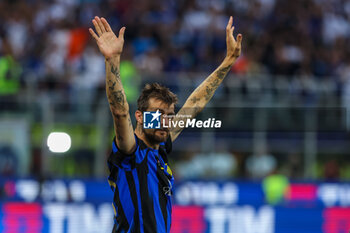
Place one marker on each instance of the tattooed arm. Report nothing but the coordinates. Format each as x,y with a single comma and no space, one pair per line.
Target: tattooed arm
119,107
205,91
111,47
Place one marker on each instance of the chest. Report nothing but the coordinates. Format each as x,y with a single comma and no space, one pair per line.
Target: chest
159,173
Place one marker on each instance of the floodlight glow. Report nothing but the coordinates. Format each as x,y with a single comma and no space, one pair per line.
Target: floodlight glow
59,142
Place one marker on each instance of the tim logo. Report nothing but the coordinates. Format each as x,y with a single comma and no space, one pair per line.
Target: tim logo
151,120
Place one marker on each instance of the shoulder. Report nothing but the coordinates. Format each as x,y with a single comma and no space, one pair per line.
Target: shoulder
168,145
120,159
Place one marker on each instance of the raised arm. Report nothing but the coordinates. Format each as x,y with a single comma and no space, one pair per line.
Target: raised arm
111,47
205,91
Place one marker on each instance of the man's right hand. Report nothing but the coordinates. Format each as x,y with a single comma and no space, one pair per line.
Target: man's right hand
109,44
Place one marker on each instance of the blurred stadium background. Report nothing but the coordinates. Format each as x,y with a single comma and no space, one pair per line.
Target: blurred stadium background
280,163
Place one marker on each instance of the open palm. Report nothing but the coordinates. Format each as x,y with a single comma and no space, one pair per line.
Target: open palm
109,44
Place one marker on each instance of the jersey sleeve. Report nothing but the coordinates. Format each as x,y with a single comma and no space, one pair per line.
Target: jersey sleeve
120,159
127,161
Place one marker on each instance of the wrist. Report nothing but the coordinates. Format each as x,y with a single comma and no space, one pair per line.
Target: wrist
229,60
112,57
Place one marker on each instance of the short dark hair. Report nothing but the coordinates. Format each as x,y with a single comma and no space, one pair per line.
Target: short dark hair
158,91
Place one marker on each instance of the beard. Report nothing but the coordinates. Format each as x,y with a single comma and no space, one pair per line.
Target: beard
156,136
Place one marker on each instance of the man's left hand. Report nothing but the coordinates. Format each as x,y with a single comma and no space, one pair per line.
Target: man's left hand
233,45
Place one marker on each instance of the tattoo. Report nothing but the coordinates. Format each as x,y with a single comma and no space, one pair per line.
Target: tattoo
118,97
195,99
111,85
215,83
117,102
209,92
197,110
115,71
120,138
221,73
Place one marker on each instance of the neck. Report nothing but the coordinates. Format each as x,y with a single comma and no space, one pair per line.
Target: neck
141,135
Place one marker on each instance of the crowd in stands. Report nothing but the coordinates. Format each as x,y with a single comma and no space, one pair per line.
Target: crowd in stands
49,39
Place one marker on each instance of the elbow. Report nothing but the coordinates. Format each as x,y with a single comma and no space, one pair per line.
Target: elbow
120,112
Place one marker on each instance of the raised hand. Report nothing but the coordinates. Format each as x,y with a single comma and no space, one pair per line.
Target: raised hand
233,46
109,44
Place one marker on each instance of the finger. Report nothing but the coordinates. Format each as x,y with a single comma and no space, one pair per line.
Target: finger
231,33
106,24
239,40
121,33
232,29
101,25
93,34
229,24
97,27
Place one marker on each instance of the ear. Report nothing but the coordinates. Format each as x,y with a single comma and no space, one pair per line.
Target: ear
139,117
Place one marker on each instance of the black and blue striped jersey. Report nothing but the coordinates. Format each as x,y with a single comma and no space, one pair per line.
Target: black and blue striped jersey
142,184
